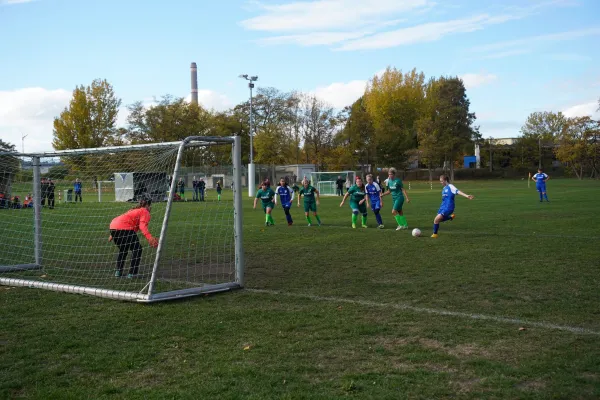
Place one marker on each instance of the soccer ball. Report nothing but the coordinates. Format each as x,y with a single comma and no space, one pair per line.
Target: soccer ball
416,232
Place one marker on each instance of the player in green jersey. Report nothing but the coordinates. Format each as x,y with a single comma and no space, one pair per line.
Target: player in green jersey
396,189
311,201
358,201
266,195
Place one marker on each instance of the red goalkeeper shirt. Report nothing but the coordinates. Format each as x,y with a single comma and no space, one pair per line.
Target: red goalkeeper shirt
135,220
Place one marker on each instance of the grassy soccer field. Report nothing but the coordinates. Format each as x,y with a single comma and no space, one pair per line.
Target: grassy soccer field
504,304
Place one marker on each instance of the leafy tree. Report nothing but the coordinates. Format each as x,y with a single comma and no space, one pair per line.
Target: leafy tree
393,102
453,121
541,128
578,146
354,143
170,120
445,127
318,126
90,118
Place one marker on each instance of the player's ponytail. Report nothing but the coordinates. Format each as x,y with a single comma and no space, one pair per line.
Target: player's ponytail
144,201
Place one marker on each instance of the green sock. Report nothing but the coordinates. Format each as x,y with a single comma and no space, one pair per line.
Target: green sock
271,219
402,220
219,197
318,219
308,219
354,218
364,220
267,218
398,219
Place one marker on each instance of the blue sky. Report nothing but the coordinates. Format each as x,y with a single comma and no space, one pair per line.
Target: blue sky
515,57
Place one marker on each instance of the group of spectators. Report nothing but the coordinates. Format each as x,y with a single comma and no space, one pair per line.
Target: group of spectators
47,187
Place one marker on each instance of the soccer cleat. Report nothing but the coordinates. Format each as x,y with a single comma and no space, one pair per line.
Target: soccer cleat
118,274
435,235
364,226
131,276
452,216
380,226
399,228
309,224
266,224
290,223
353,226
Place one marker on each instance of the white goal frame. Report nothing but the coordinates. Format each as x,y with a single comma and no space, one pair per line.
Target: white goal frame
318,183
148,294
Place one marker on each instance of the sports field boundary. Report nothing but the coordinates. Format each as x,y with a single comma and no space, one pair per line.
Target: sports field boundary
423,310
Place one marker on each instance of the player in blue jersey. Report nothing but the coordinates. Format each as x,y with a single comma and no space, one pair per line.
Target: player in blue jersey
286,195
446,211
540,184
374,198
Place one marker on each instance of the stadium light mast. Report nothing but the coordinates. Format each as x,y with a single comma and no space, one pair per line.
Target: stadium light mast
251,185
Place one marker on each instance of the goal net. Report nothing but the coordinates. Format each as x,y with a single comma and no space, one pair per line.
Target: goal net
325,182
57,209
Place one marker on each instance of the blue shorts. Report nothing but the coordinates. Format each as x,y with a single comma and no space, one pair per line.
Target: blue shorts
444,212
541,188
375,205
286,205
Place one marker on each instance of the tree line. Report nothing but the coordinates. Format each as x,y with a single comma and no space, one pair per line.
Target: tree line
401,117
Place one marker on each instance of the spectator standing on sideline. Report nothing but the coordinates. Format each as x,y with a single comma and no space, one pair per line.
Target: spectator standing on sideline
50,192
77,187
202,187
44,191
181,187
339,186
195,185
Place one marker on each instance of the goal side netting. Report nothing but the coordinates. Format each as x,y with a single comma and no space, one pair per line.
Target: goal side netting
326,182
57,209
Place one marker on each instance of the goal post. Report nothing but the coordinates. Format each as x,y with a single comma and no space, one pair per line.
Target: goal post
325,182
65,247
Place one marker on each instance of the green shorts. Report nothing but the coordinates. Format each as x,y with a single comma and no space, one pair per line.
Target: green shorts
398,203
312,206
362,208
270,205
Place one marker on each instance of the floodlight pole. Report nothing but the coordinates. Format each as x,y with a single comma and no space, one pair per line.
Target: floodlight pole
251,167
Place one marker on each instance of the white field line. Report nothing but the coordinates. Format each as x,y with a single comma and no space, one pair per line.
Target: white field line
392,228
423,310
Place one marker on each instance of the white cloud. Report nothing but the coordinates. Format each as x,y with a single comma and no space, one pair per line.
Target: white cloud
474,80
583,110
340,94
313,39
358,24
212,100
31,112
524,45
9,2
569,57
327,14
425,32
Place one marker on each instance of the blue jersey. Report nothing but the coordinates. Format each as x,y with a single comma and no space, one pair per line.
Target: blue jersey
540,178
77,186
448,194
286,195
373,190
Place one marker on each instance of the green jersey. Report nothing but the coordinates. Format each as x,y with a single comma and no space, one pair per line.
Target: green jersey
395,186
356,194
309,194
266,196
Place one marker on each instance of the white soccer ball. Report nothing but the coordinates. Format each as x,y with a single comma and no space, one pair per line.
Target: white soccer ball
416,232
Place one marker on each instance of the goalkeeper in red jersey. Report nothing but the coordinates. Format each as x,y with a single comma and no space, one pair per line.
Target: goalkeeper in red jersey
123,231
